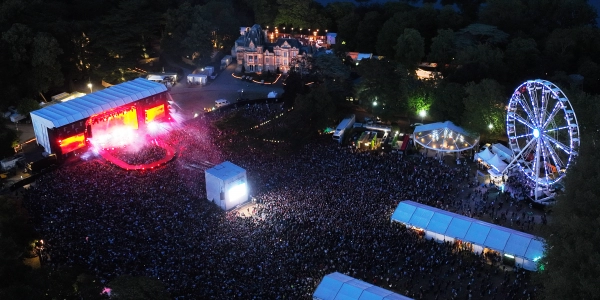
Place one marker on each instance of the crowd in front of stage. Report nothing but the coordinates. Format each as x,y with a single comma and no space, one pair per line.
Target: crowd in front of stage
319,210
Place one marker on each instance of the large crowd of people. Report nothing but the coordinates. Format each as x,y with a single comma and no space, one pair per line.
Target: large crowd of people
318,210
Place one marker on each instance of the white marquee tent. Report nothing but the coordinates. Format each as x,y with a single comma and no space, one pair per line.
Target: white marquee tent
443,226
484,155
444,137
497,164
337,286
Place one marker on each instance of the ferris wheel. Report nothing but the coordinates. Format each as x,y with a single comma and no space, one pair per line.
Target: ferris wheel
542,131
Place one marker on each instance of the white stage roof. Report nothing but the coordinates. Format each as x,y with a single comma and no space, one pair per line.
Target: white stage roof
83,107
337,286
444,136
225,170
460,227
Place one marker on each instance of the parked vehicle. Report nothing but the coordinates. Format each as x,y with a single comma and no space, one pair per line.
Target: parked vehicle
221,103
344,126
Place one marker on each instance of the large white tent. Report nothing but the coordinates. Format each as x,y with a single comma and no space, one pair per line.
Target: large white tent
444,137
444,226
81,108
337,286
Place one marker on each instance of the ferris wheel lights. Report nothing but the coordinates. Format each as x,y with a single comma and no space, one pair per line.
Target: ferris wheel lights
536,133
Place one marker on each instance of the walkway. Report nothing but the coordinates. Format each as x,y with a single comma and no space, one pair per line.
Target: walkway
169,156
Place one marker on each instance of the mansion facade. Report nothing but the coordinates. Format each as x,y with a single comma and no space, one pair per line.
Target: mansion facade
256,53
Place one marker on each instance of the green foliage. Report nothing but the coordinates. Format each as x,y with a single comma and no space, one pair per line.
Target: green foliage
33,57
264,11
449,18
330,70
480,61
7,138
522,58
481,34
384,82
448,102
507,15
484,105
293,13
442,47
410,48
138,287
389,33
572,258
420,96
312,112
365,37
586,106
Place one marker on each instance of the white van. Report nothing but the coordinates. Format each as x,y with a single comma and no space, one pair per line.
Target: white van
221,102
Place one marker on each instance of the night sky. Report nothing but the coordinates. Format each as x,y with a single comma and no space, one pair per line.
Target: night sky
594,3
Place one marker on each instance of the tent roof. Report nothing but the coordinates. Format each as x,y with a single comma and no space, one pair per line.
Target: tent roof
497,163
225,170
83,107
444,136
485,154
499,147
485,234
337,286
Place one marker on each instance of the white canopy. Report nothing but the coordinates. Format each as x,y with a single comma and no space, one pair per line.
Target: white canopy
443,225
497,163
445,137
484,155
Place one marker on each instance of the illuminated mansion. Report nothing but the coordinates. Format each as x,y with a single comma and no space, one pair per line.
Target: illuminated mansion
258,51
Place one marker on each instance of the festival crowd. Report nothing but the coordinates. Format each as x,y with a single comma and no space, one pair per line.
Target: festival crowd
319,210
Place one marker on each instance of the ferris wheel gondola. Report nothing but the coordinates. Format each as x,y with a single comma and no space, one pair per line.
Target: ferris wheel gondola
543,133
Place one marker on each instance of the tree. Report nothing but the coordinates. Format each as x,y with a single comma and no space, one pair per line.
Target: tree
264,11
410,49
198,42
420,95
468,8
549,15
293,13
484,106
137,287
561,47
384,82
586,106
522,58
479,62
449,18
329,69
442,47
366,33
448,102
33,57
570,267
316,108
125,32
507,15
8,138
391,30
347,27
